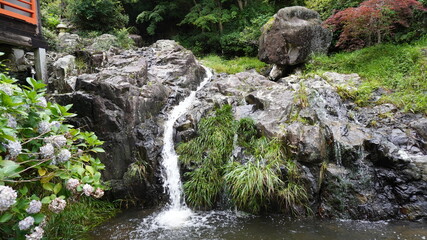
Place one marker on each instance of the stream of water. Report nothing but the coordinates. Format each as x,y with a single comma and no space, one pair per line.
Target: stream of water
176,221
176,213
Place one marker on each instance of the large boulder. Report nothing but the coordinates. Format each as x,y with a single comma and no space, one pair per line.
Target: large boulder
291,36
125,104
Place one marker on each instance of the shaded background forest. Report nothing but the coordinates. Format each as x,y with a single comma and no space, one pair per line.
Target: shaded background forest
226,27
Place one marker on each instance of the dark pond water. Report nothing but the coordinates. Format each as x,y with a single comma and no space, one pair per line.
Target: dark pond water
138,224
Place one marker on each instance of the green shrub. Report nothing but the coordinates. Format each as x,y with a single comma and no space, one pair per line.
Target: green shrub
123,40
44,162
97,15
51,38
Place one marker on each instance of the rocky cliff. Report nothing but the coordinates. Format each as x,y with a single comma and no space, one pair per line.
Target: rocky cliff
356,162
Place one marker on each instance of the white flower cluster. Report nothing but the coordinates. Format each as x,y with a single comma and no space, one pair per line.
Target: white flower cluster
42,102
44,127
47,151
34,207
7,197
98,193
63,156
55,124
37,234
14,148
11,121
57,205
87,189
57,140
72,184
6,88
26,223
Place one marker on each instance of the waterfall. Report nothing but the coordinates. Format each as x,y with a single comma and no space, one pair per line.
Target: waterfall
176,213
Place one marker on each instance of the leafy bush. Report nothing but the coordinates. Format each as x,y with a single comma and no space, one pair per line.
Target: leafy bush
97,15
371,22
252,183
43,161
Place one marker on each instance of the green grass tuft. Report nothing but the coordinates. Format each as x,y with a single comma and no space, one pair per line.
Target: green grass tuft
232,66
251,185
401,70
78,218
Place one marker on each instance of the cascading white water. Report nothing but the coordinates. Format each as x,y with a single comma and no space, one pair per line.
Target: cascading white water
176,213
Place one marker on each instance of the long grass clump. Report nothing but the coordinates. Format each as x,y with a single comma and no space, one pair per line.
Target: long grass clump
265,178
79,218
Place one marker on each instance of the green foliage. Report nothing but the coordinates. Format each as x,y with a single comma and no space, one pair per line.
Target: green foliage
123,40
326,8
155,16
40,155
84,216
97,15
236,65
227,28
252,185
51,38
206,156
399,69
51,12
3,67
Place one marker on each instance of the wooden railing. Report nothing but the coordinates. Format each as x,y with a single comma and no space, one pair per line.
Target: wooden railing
22,9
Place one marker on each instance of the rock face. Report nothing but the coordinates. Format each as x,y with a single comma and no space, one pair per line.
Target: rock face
291,36
359,163
356,162
125,105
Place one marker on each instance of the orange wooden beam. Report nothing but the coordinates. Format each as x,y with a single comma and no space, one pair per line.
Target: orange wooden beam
33,11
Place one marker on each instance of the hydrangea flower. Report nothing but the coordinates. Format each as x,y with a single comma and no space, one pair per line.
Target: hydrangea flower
57,205
98,193
44,127
34,207
37,234
72,184
42,102
11,121
6,88
55,124
14,148
26,223
47,151
7,197
87,189
57,141
63,156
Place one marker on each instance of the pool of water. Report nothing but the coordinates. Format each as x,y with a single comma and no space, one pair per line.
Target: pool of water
224,225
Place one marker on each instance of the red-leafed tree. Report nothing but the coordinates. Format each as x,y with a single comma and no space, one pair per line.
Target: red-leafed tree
371,22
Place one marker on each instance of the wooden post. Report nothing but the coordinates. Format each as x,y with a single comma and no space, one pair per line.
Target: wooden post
40,63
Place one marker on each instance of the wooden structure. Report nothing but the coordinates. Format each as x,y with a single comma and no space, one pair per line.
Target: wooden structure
20,26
